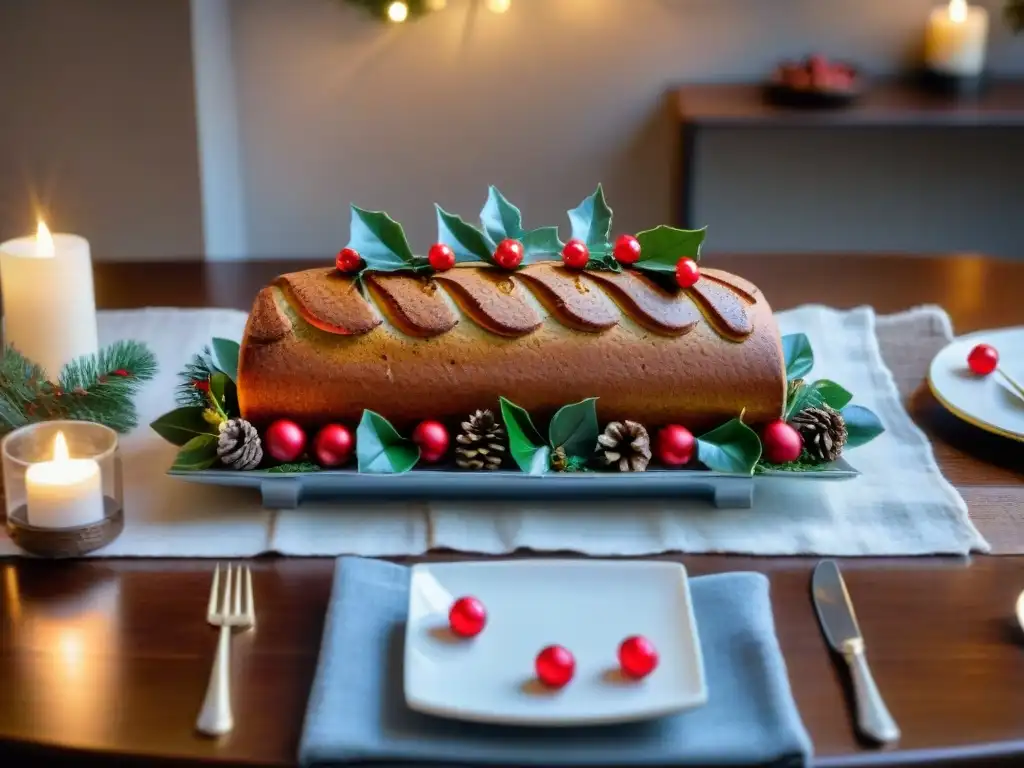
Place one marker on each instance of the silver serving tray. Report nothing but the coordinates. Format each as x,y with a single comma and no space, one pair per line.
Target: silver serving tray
288,490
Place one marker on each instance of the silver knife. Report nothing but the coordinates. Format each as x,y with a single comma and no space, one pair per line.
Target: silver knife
839,623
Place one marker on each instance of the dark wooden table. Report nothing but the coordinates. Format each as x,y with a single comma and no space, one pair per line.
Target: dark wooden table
887,104
106,660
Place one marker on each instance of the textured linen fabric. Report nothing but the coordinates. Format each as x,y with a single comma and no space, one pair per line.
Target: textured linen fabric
900,506
357,712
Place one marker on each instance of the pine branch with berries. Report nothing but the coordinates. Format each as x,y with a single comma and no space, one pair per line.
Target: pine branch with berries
98,388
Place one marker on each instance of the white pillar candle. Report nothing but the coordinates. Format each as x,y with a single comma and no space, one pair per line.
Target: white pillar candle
956,38
49,305
64,492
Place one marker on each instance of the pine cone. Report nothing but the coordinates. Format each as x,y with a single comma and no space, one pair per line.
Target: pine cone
239,445
481,442
625,445
823,431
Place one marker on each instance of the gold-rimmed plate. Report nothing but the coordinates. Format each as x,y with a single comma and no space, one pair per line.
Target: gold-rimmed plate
987,402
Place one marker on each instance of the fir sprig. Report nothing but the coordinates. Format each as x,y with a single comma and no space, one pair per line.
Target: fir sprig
96,387
194,378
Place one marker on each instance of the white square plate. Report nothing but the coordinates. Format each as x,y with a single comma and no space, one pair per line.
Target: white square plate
585,605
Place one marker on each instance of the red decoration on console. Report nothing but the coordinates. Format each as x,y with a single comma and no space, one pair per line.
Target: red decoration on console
334,445
441,257
983,359
782,443
687,272
467,617
555,666
637,656
509,254
348,260
676,446
284,440
575,254
627,250
432,438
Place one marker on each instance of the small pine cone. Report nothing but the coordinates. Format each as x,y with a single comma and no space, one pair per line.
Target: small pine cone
823,431
239,445
481,443
625,445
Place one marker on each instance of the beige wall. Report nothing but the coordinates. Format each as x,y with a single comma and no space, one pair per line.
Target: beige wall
98,124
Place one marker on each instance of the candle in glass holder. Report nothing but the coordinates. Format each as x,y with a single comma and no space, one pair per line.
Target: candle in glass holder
49,306
63,492
955,39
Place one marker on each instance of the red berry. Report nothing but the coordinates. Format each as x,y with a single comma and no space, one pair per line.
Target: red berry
983,359
333,445
687,272
284,440
575,254
555,666
348,260
441,257
432,438
637,656
782,443
202,385
509,254
675,446
627,250
467,617
122,372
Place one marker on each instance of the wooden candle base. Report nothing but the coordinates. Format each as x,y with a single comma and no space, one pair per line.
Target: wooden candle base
66,542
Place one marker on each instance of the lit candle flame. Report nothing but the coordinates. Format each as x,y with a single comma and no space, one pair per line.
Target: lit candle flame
44,241
398,11
60,448
958,11
498,6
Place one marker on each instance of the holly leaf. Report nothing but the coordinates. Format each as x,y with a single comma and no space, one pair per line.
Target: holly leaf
591,222
662,247
380,449
796,350
500,218
604,261
468,242
524,441
182,424
379,239
821,392
298,466
539,242
862,425
733,448
225,356
198,453
574,428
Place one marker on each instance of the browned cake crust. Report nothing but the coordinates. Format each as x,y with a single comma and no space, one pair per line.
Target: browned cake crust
317,349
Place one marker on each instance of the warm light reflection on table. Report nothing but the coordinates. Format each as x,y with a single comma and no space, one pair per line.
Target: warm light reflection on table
67,645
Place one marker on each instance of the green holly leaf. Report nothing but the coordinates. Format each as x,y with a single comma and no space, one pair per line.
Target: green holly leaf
500,218
604,261
574,428
539,243
380,449
298,466
733,447
662,247
524,441
468,242
379,239
198,453
862,425
796,350
182,424
225,356
591,222
821,392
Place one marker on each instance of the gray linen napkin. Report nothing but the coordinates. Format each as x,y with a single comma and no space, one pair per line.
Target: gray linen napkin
357,712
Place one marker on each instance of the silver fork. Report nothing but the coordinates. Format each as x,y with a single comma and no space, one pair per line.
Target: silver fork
227,609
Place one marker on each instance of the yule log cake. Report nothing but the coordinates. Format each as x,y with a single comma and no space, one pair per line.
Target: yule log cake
496,311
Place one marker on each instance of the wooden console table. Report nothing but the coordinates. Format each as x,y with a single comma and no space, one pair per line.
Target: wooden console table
885,105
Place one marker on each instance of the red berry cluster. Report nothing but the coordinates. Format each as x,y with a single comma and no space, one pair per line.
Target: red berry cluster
676,446
555,665
627,250
334,444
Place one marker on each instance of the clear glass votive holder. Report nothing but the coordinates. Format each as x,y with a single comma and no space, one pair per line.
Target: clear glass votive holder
62,484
